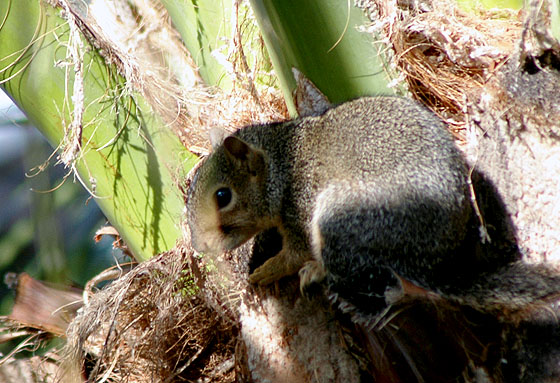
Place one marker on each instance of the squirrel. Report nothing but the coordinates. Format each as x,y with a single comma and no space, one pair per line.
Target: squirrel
367,193
371,198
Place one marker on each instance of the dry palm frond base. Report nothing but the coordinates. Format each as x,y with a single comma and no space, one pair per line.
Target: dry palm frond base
445,53
152,324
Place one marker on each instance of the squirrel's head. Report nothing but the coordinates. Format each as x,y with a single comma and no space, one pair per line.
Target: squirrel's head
226,200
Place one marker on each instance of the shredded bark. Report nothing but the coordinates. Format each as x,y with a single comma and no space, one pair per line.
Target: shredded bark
445,53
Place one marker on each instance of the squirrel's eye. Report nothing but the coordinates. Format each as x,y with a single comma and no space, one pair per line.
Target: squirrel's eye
223,197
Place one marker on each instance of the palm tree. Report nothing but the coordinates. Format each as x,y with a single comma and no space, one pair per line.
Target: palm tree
125,91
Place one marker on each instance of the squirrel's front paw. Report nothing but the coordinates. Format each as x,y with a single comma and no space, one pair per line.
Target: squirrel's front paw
270,271
310,277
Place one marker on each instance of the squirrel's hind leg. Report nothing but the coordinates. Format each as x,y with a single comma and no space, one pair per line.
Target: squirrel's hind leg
344,257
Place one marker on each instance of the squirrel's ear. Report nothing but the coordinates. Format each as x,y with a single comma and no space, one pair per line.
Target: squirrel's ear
217,136
242,151
237,148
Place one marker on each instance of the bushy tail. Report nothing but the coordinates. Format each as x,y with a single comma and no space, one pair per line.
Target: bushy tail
502,328
515,292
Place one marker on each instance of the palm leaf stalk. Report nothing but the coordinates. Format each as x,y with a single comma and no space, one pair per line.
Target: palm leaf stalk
118,146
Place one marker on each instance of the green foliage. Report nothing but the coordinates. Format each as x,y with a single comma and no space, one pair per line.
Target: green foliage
323,41
128,160
186,285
